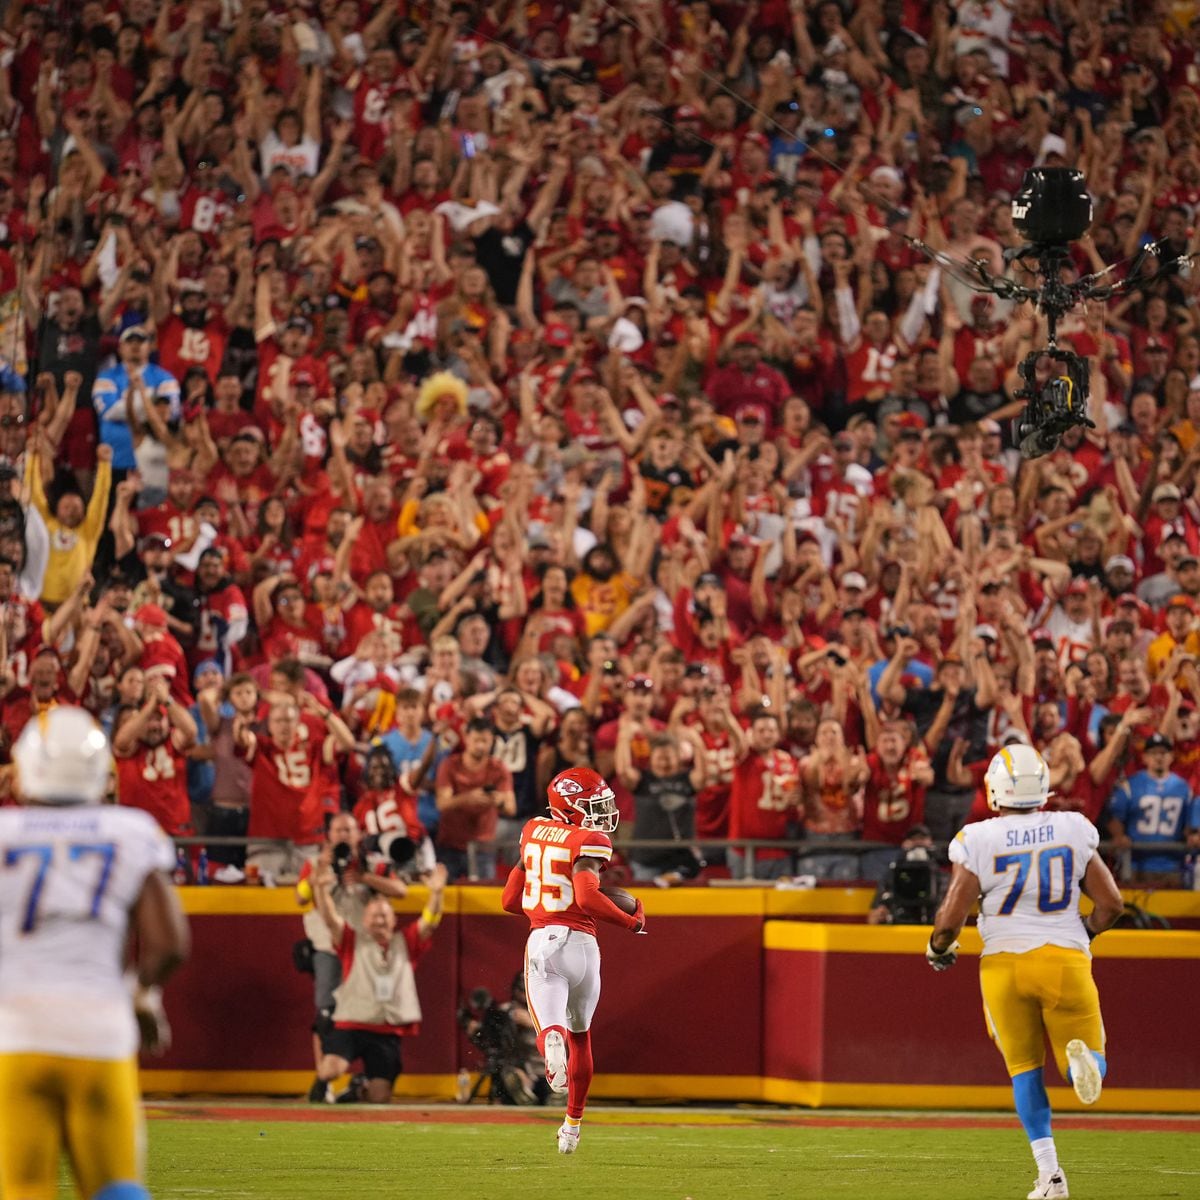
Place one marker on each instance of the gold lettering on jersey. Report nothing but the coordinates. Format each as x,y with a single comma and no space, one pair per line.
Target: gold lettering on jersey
552,833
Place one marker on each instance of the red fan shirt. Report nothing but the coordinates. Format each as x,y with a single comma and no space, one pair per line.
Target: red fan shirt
154,779
285,801
762,798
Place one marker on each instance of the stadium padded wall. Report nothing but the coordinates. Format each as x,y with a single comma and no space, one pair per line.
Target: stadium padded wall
740,994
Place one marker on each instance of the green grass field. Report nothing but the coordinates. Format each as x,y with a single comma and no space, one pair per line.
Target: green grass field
630,1155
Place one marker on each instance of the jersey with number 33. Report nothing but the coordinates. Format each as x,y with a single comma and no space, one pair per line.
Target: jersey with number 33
549,852
1029,866
68,879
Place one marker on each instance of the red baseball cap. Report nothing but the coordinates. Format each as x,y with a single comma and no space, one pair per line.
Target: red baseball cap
751,412
153,615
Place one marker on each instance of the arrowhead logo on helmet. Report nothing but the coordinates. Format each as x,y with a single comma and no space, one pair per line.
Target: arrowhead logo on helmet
1017,777
580,796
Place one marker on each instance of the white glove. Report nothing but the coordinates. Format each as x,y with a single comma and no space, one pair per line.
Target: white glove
943,961
151,1017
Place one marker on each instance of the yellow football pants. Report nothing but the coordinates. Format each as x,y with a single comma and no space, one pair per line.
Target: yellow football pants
1047,991
89,1107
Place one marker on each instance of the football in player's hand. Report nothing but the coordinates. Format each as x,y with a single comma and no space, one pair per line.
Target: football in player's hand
621,898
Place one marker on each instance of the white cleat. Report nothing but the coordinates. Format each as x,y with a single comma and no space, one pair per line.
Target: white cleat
1085,1074
568,1140
556,1062
1054,1188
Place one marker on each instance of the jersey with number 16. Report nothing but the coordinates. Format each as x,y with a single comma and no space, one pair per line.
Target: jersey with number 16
1029,867
549,852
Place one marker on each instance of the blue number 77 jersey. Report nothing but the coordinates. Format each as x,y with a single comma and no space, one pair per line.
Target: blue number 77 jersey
69,877
1029,867
1155,810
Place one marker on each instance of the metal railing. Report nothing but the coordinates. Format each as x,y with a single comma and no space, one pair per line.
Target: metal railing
797,848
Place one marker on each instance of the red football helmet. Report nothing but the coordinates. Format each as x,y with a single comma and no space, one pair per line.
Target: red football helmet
581,796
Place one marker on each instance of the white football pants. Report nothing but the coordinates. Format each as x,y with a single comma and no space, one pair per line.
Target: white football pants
562,977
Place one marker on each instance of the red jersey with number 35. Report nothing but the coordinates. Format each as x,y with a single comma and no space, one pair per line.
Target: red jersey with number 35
549,852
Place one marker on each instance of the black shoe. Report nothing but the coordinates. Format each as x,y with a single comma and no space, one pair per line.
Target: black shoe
355,1092
319,1091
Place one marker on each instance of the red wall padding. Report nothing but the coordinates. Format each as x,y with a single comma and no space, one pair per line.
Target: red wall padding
883,1018
698,996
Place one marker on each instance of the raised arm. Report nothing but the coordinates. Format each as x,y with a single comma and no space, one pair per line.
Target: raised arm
323,882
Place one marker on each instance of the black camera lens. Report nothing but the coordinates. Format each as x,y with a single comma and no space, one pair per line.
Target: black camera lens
1052,206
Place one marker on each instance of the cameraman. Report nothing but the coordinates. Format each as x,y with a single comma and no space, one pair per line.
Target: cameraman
505,1035
376,1003
355,880
912,886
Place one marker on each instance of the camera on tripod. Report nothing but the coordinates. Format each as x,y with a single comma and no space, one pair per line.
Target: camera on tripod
494,1032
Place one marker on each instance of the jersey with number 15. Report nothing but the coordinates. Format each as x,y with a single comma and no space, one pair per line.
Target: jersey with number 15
1029,866
549,851
69,877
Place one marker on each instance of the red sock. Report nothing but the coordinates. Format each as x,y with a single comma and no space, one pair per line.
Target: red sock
541,1037
579,1073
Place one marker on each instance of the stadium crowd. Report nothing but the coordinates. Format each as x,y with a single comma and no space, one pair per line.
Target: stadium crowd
404,402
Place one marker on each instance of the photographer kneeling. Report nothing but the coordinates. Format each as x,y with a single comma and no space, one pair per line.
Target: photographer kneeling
376,1003
356,878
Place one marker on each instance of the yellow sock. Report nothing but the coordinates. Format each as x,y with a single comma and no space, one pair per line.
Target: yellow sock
572,1122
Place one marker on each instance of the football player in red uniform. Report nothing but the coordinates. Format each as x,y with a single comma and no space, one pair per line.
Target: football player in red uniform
557,886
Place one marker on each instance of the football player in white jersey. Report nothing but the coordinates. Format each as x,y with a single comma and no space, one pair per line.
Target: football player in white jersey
1027,868
75,878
